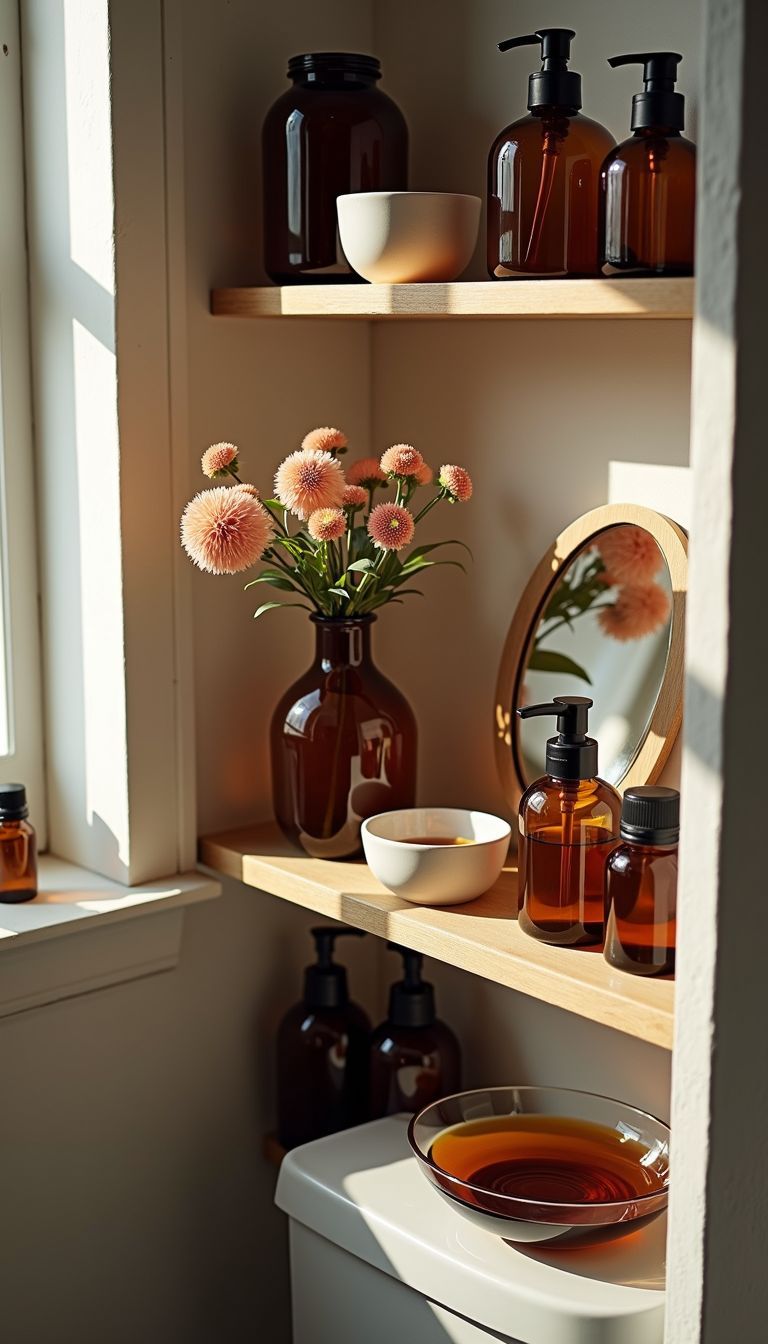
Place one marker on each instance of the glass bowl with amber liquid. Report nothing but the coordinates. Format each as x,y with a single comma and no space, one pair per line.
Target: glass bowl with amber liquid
545,1164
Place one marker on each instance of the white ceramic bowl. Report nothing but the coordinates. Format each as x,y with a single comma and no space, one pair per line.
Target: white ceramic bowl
439,874
401,237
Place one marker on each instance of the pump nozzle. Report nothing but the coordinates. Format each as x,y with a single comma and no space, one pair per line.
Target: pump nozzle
411,1000
325,983
554,85
659,105
570,755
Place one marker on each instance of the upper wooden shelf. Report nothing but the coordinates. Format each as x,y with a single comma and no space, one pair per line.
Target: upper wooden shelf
668,299
482,936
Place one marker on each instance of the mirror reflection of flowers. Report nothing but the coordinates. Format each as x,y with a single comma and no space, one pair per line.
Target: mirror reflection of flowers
617,580
342,553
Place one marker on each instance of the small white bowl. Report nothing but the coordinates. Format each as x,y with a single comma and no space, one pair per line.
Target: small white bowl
405,237
439,874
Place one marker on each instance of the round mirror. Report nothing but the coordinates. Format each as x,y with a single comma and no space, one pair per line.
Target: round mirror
601,617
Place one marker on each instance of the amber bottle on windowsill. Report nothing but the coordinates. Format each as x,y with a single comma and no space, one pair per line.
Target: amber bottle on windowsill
641,884
18,847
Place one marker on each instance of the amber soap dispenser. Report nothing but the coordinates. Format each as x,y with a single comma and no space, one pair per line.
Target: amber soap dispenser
544,174
415,1057
569,821
648,182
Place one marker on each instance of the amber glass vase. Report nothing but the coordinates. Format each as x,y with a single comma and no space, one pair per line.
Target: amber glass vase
343,744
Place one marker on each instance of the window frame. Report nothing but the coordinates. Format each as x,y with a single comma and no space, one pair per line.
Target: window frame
18,528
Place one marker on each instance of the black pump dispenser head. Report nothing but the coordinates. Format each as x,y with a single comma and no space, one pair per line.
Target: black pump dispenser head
325,983
570,755
659,105
554,85
411,1000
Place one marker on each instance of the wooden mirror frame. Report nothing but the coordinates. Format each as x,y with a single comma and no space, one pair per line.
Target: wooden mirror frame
664,726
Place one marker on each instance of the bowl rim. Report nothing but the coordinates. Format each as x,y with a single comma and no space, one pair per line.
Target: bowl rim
409,845
426,1160
386,195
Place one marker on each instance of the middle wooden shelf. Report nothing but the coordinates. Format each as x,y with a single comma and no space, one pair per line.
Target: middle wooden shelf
482,937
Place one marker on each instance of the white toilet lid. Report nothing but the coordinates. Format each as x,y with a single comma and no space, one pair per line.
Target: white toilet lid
363,1191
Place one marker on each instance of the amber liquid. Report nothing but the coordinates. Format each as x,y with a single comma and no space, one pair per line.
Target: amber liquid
640,909
436,840
564,886
554,1159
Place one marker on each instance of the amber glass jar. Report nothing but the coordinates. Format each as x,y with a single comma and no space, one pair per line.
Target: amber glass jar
18,847
641,884
567,830
343,744
543,195
332,132
648,206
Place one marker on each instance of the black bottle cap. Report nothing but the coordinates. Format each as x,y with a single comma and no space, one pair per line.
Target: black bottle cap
411,1000
650,815
13,802
570,755
334,65
659,105
325,983
554,85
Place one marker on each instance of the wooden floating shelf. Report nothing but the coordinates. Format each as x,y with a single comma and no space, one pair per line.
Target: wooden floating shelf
530,299
482,936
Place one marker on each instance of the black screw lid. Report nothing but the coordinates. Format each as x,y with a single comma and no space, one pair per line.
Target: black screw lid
334,66
650,815
411,1000
13,802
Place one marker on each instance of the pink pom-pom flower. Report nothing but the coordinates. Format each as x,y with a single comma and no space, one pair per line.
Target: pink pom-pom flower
309,480
326,524
638,610
354,497
225,530
401,460
365,472
249,489
325,440
457,481
630,555
217,459
390,526
425,475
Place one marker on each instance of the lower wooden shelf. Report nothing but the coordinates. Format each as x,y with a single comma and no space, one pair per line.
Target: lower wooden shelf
482,937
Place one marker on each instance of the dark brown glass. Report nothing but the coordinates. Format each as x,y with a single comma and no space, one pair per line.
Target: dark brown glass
567,830
647,208
412,1067
641,908
343,743
322,1072
331,133
18,862
543,193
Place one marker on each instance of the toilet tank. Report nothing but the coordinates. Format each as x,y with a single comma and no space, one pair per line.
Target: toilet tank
377,1256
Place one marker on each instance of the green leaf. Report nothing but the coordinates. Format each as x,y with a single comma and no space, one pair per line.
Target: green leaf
269,606
419,551
548,660
339,592
275,581
359,566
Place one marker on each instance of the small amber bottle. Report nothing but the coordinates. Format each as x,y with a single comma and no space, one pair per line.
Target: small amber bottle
415,1058
641,883
648,182
569,821
18,847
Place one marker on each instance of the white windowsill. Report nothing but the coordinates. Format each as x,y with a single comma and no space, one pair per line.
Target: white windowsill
113,933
